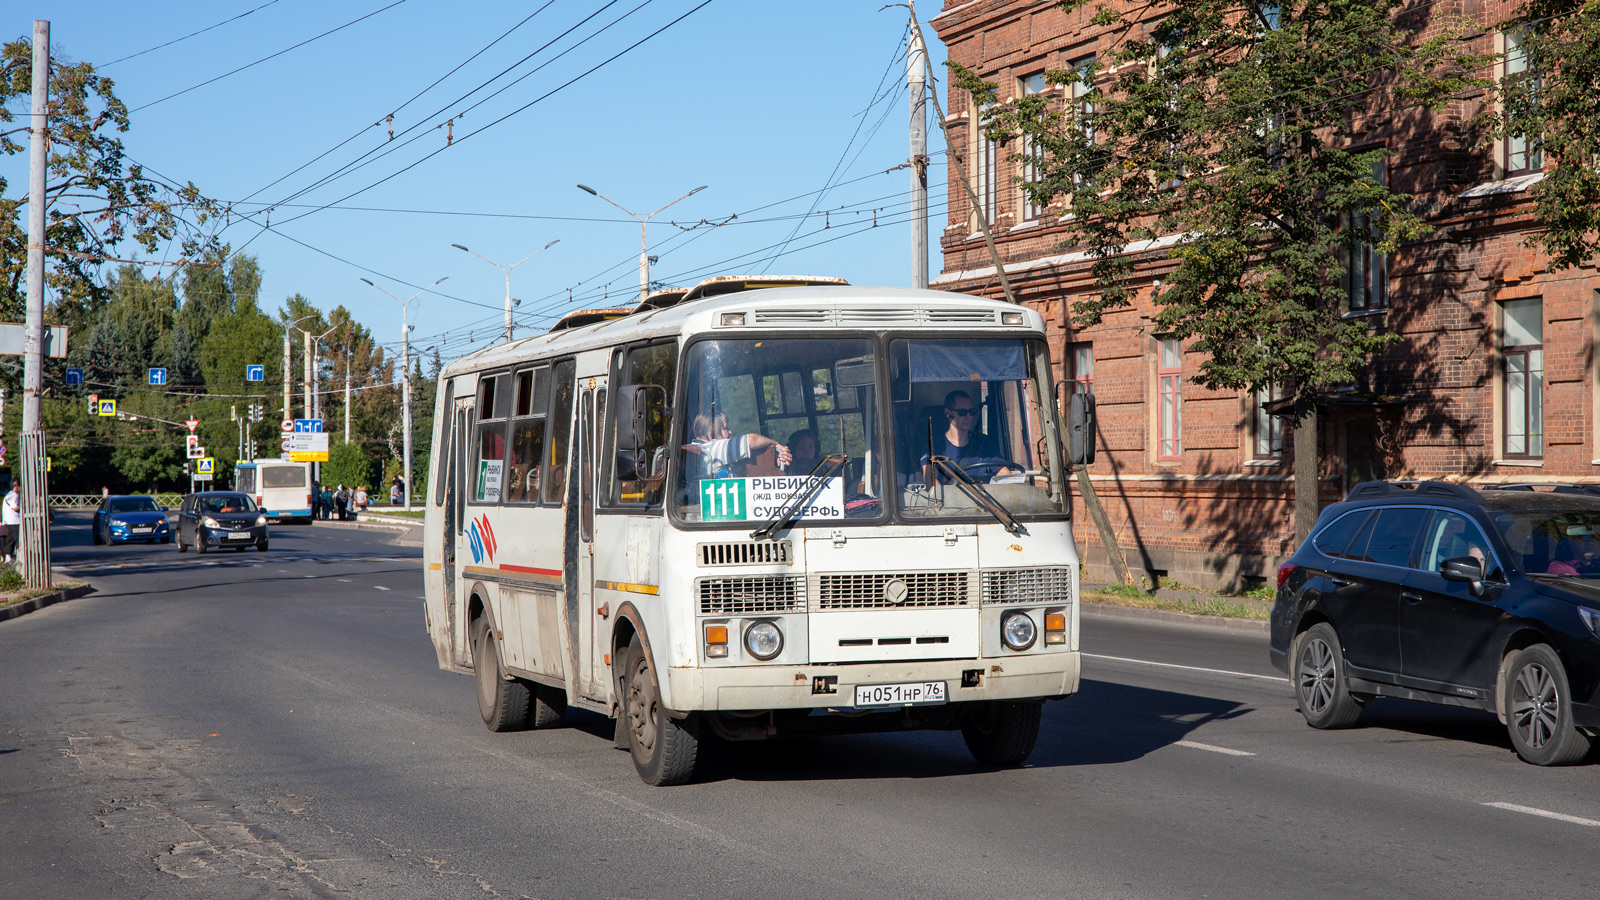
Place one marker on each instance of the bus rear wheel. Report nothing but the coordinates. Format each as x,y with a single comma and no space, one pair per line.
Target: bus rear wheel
1001,733
663,748
503,704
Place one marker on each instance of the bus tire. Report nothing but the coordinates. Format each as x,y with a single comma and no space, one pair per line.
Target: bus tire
503,704
663,748
549,706
1002,733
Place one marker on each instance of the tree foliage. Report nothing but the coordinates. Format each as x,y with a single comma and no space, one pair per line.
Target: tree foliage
1556,105
1227,137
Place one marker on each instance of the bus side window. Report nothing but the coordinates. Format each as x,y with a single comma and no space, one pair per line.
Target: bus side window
555,484
527,436
636,442
445,437
489,450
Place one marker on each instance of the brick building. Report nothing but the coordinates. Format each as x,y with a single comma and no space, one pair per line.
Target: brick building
1495,379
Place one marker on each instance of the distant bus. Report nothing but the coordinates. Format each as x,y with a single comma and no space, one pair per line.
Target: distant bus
281,488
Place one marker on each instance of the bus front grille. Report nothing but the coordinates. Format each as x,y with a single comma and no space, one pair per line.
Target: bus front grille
752,596
1012,586
744,553
893,590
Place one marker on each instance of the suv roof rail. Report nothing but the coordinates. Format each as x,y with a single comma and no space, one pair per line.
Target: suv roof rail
1425,488
1555,488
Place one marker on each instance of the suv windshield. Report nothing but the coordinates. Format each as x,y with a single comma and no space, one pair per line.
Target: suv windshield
1554,542
976,403
132,504
761,415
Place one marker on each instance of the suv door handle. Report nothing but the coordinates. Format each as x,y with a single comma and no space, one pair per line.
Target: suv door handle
1411,596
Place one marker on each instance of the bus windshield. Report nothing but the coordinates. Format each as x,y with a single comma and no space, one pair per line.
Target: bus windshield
761,416
972,407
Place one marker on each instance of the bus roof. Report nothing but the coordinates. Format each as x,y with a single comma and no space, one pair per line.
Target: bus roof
810,307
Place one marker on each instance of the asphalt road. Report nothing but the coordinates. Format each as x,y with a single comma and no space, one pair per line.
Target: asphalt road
275,725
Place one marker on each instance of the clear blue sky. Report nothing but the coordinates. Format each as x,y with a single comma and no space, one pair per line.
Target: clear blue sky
758,100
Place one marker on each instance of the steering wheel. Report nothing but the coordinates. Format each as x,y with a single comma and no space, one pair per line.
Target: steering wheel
985,468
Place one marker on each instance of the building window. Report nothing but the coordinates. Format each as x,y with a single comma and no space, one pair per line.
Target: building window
1522,349
1266,431
1031,168
985,170
1169,376
1523,155
1271,14
1082,106
1082,356
1368,278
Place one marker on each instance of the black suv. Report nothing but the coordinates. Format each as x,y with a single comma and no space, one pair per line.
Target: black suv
1434,591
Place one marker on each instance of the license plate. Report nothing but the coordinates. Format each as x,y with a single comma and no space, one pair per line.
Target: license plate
144,528
911,693
238,535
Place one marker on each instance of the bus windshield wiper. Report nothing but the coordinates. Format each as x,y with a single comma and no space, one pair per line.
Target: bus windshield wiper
976,491
803,494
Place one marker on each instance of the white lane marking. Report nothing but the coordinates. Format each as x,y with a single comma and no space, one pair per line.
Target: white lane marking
308,576
1535,811
380,587
1226,751
1146,662
344,581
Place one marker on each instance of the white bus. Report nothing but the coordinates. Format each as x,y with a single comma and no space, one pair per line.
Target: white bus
628,515
282,488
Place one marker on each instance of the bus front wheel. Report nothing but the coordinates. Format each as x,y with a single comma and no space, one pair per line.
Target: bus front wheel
663,748
503,704
1001,733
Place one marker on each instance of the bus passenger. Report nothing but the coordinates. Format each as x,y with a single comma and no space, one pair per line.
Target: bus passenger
803,446
718,450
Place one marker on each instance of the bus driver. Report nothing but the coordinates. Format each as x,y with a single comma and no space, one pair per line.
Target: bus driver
718,450
960,441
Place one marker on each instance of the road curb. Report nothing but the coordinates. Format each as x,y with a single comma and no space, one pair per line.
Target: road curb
33,604
1135,613
408,533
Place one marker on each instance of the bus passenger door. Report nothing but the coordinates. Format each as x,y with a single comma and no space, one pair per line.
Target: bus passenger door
452,534
593,632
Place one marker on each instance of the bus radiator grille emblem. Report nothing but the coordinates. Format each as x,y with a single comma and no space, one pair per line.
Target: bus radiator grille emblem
894,593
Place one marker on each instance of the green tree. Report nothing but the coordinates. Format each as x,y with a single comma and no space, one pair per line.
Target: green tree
1224,133
348,464
1554,104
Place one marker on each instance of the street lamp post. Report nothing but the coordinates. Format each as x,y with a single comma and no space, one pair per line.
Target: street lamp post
507,271
644,252
313,394
405,374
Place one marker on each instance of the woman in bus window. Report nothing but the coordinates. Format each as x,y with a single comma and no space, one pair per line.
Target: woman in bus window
718,451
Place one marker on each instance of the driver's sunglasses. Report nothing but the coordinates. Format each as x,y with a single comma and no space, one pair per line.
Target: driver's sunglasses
962,412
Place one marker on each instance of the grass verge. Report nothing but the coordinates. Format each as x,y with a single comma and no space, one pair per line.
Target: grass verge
9,597
1127,595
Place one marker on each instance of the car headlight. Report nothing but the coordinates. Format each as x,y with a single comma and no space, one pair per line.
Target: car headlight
763,640
210,522
1591,618
1017,630
116,524
261,520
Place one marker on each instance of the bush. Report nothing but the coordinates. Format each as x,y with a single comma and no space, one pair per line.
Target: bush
10,579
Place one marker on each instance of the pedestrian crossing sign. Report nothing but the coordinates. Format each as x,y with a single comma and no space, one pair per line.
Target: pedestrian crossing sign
108,407
206,465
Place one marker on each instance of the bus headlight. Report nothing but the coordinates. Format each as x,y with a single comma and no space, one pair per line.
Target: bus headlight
763,640
1017,630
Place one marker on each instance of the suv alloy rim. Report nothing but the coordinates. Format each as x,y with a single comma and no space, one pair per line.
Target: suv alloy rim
1316,675
1535,705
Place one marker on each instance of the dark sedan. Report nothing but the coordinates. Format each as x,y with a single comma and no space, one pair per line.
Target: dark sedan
132,517
215,519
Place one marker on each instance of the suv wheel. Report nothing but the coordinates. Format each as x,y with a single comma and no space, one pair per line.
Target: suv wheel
1319,680
1538,706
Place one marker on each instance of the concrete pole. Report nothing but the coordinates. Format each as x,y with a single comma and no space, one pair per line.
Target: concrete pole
508,305
405,389
310,412
35,543
288,373
916,82
347,399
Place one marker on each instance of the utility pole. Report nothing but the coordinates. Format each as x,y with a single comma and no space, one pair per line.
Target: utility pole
405,376
288,375
506,270
916,81
644,250
35,543
347,399
310,413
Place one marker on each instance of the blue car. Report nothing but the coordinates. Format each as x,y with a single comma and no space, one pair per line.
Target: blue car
134,517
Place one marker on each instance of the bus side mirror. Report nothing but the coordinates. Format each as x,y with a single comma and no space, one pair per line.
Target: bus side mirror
1080,429
638,406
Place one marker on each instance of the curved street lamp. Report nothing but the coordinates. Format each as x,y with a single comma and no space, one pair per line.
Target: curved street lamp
405,373
644,253
507,271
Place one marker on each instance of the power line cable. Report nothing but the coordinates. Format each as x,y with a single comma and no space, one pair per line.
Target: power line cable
187,36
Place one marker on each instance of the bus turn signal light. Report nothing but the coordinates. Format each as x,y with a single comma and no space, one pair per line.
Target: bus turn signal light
1055,628
716,641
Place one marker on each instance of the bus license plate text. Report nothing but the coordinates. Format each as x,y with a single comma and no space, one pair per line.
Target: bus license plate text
914,693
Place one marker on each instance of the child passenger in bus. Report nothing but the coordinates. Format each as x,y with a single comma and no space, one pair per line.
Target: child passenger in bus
718,451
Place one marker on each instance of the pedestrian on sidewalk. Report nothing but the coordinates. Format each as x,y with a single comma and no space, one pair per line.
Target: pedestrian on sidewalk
394,492
11,518
341,502
361,499
316,501
327,502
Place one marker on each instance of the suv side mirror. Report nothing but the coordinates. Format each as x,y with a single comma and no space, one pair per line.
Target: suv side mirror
1080,429
1464,569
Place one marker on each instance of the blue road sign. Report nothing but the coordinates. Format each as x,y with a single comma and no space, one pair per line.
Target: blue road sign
205,465
158,377
308,426
255,373
74,376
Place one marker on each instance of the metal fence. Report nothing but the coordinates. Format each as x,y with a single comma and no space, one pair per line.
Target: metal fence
90,501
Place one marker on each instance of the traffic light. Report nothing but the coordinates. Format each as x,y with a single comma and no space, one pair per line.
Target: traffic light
94,404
